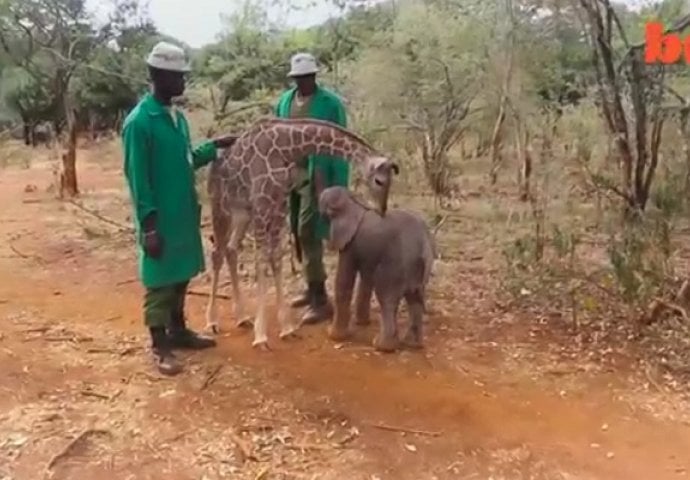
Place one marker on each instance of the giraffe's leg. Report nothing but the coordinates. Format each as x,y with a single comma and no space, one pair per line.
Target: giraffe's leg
221,227
287,328
260,327
241,220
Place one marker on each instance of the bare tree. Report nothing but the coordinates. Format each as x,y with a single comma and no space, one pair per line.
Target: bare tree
440,127
630,95
508,62
50,39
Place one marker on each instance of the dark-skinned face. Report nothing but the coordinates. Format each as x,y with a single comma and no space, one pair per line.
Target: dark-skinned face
167,84
306,84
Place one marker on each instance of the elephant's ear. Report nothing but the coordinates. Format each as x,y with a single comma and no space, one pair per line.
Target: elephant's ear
345,225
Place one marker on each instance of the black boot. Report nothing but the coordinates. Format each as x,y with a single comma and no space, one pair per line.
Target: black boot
165,360
320,309
303,299
183,338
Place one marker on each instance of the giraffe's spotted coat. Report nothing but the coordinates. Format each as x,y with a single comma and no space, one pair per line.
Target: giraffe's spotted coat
248,187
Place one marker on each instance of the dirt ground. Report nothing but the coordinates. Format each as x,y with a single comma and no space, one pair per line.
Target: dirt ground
490,397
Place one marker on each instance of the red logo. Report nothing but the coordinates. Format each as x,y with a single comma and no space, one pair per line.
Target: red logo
664,48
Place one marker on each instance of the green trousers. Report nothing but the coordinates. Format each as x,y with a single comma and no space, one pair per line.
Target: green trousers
312,246
162,304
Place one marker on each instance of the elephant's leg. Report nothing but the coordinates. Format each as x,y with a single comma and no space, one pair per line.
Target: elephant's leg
363,299
344,285
387,338
415,306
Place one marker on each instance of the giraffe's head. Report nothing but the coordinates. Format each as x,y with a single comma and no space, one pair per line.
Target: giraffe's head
379,176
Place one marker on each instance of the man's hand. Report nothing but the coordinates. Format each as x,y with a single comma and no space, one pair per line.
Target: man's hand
151,241
225,142
153,244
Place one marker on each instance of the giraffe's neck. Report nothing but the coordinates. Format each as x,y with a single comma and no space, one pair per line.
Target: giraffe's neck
314,138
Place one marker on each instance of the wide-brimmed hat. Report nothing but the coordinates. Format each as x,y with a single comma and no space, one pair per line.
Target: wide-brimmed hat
166,56
303,64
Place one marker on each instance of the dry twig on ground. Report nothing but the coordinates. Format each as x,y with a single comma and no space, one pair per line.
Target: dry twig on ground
204,294
95,214
65,452
211,377
658,306
24,255
242,447
391,428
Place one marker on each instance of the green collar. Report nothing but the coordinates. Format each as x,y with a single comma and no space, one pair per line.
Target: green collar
152,106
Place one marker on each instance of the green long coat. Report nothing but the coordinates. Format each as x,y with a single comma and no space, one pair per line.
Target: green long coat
159,165
325,105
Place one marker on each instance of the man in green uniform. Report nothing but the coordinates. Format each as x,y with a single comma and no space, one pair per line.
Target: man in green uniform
317,172
159,165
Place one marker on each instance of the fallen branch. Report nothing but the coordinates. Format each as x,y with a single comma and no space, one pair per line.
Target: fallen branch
657,307
95,214
211,377
36,330
304,447
204,294
438,226
244,450
391,428
683,294
652,380
114,351
64,338
89,393
24,255
70,446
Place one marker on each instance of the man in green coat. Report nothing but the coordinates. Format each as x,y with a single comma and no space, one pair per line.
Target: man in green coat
159,165
317,172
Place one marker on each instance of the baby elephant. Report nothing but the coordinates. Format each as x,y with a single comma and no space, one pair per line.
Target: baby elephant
393,255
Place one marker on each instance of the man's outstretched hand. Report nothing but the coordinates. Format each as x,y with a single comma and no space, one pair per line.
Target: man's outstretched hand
225,142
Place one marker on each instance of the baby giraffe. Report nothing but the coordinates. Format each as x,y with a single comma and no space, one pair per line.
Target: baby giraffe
249,189
392,253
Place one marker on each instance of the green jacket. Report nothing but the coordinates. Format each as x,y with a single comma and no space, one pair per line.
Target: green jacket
325,105
159,165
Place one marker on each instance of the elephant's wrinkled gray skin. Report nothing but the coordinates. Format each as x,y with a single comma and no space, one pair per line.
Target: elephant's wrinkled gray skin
393,254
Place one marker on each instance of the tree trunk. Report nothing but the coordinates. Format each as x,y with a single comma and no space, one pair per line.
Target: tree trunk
525,175
683,132
496,157
92,126
27,134
68,180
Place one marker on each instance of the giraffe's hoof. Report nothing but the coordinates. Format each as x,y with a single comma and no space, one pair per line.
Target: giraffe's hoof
244,323
289,333
212,328
261,345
